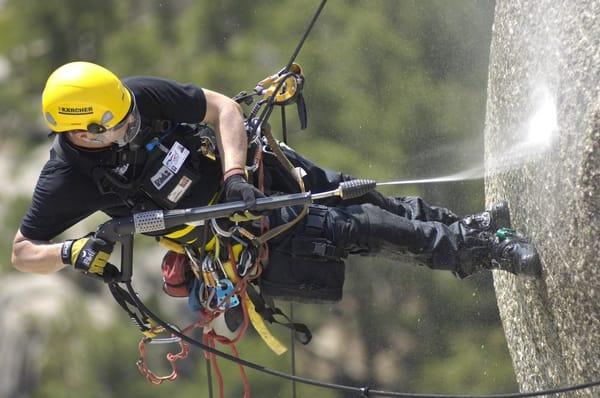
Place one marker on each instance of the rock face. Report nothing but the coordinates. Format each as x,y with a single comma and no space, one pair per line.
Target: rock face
543,155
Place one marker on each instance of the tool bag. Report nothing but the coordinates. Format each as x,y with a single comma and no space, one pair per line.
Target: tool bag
305,266
177,274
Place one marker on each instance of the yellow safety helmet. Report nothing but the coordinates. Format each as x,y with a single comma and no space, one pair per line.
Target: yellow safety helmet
84,96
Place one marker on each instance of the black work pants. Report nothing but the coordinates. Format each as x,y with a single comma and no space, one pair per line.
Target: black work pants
400,228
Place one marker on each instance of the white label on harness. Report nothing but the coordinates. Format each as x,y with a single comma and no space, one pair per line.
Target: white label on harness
179,189
161,177
121,170
175,158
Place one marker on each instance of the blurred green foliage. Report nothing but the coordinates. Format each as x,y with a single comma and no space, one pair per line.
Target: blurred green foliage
395,89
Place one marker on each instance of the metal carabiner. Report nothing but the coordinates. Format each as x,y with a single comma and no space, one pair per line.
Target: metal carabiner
245,262
164,340
237,238
209,274
225,295
218,230
211,295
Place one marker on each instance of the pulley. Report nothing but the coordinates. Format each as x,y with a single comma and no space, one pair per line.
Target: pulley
287,86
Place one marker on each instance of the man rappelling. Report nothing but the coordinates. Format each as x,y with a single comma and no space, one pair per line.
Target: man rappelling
125,146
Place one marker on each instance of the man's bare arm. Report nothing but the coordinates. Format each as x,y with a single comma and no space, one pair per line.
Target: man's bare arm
36,256
226,116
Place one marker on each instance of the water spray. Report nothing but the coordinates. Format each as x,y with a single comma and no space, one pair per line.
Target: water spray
356,188
474,173
539,134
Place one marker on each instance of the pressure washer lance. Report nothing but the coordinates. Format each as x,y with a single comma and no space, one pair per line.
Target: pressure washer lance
348,189
159,220
356,188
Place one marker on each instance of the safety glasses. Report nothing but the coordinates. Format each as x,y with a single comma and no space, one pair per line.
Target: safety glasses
132,120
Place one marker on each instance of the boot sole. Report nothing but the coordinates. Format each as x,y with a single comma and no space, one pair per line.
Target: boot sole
501,215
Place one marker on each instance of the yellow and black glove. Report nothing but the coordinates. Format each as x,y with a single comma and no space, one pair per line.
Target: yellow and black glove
88,254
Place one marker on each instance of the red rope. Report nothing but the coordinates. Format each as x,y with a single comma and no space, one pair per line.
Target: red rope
211,338
242,373
208,340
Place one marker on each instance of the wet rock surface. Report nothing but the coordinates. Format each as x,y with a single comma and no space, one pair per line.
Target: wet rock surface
543,155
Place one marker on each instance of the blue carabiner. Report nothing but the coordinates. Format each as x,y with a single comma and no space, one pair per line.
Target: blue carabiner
225,288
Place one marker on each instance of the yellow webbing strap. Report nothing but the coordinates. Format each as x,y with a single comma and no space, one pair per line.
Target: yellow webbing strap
180,232
247,216
154,330
168,242
257,322
171,245
261,328
175,240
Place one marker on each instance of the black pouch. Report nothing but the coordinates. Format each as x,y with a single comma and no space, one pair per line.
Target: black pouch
306,267
303,279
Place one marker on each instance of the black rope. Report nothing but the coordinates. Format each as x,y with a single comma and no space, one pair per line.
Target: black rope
361,391
209,377
558,390
229,357
305,35
285,72
283,124
293,350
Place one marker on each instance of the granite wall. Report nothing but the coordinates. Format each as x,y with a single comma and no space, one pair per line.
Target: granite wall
542,144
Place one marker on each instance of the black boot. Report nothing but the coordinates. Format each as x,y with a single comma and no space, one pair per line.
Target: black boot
490,220
506,250
513,252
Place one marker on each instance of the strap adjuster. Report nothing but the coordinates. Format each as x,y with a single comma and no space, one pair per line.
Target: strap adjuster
322,249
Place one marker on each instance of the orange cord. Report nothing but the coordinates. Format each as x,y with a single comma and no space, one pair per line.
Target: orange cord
172,358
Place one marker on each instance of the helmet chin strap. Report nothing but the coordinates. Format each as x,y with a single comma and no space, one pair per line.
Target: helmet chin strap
94,140
121,142
82,139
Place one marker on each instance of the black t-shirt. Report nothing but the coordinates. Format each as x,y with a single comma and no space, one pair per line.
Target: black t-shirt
64,195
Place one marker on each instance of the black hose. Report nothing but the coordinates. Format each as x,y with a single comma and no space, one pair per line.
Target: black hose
362,391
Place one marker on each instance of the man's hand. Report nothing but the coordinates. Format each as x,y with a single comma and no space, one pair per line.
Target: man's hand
237,188
87,254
